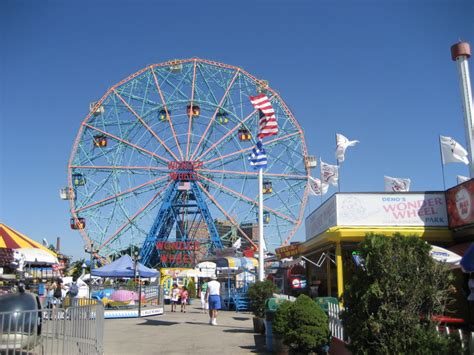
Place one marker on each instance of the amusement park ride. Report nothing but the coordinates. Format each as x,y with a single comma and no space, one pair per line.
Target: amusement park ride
160,163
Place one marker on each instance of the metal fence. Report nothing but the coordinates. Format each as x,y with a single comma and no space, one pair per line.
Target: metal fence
73,330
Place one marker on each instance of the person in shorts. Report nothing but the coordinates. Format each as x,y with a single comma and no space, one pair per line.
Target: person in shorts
213,295
174,297
184,298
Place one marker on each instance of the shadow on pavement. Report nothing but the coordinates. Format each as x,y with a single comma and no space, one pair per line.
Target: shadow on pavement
157,322
241,318
239,330
259,347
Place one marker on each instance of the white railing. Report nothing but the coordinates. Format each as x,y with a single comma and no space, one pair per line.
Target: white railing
335,323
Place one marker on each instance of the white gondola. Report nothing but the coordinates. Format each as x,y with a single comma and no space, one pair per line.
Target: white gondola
311,161
66,193
176,68
100,110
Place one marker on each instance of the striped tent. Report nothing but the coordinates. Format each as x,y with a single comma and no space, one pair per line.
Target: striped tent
236,262
12,239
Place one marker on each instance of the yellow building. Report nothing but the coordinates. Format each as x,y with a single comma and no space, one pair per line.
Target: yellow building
335,228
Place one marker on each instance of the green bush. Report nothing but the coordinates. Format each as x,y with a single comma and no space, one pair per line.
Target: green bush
303,325
281,316
258,293
191,289
390,301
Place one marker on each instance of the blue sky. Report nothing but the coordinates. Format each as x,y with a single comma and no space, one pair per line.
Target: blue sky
381,74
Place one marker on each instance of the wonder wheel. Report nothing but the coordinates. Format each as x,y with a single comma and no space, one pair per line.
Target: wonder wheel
163,157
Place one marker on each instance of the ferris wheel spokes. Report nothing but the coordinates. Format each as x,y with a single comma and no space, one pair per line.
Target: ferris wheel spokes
142,121
135,215
190,112
211,121
121,194
236,225
165,107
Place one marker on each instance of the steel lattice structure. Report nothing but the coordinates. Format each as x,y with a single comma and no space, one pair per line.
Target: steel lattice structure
184,128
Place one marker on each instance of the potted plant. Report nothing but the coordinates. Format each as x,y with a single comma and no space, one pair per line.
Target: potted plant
303,326
258,293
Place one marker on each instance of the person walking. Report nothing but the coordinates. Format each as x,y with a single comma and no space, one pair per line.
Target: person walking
184,299
174,297
213,295
204,304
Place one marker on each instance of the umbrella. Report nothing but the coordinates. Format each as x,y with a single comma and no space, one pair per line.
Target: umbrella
467,261
444,255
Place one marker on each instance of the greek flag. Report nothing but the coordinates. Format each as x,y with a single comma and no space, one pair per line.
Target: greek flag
258,158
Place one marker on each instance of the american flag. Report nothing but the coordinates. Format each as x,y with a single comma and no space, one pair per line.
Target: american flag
268,123
258,158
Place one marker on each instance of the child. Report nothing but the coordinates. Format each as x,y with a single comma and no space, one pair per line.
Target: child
184,299
174,297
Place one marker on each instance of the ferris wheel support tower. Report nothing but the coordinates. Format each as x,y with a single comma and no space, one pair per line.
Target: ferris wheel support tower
460,53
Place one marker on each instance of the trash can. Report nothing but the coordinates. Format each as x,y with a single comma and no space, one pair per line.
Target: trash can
271,306
20,319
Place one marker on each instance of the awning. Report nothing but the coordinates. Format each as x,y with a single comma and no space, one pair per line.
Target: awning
235,262
34,256
10,238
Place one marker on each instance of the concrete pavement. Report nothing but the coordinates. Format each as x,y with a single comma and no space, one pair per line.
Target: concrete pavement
183,333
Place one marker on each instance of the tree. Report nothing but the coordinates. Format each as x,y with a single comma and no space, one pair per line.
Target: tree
258,294
390,300
75,270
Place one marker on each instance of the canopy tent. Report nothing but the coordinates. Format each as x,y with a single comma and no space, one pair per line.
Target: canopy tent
124,267
10,238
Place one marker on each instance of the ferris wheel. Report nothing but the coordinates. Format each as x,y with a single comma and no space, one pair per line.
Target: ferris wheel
163,156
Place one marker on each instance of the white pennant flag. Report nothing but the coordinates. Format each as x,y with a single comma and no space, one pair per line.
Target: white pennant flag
396,184
329,174
341,145
452,151
462,179
316,187
237,244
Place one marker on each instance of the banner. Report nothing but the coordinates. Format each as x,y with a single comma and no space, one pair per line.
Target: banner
460,208
378,209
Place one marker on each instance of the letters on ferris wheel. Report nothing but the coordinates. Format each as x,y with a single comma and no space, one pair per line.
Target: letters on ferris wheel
268,123
258,158
452,151
342,143
396,184
329,174
316,187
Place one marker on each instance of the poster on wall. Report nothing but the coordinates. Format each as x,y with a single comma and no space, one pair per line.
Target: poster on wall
460,207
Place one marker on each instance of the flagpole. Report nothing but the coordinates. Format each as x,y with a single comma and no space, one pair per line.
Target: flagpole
321,177
338,170
442,164
261,271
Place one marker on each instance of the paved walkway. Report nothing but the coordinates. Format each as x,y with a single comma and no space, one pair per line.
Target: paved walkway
183,333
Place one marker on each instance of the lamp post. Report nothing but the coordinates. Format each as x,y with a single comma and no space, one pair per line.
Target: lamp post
91,251
135,260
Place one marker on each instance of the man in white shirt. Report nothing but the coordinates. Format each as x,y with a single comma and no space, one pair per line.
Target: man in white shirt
213,295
